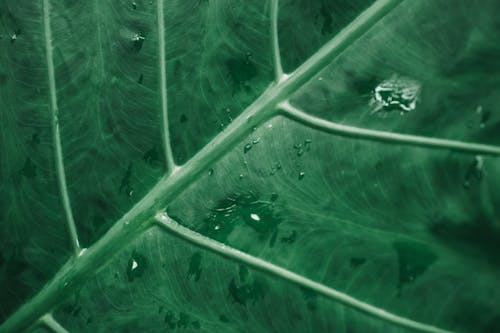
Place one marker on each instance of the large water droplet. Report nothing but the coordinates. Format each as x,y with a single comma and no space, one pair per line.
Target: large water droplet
397,93
236,209
301,175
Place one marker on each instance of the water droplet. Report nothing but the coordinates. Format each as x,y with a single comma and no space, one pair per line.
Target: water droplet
301,175
320,78
136,266
243,293
357,261
241,176
255,141
134,5
275,168
194,270
396,93
475,171
247,147
210,171
413,260
137,41
236,209
290,238
255,217
14,36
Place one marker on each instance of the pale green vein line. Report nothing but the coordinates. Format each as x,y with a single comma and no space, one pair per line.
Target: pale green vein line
272,269
76,272
278,69
52,324
169,157
374,135
61,176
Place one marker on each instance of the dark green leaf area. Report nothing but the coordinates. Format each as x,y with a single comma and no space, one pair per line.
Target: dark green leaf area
413,260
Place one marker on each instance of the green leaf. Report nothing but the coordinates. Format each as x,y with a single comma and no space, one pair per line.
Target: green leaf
175,166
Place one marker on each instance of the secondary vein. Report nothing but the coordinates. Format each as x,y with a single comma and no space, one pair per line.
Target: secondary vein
61,176
52,324
211,245
278,69
169,158
296,114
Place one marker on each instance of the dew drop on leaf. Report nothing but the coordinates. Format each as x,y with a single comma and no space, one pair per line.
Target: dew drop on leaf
301,175
474,171
290,238
247,147
413,260
255,217
357,261
194,270
396,94
136,266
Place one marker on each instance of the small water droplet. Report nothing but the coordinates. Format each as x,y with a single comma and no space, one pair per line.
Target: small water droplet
255,217
320,78
210,171
136,266
217,227
301,175
276,167
247,147
14,36
255,141
134,5
241,176
357,261
475,171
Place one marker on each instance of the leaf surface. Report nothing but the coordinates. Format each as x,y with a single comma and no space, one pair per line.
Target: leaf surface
120,84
